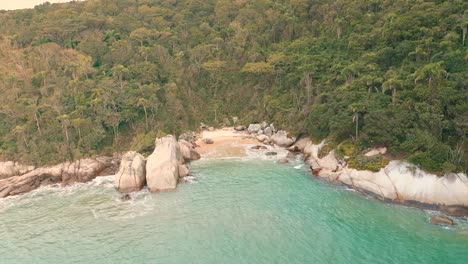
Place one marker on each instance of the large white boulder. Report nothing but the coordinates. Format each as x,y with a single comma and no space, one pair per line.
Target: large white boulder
131,174
281,139
162,167
254,128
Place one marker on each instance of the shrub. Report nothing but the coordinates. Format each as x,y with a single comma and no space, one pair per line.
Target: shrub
362,162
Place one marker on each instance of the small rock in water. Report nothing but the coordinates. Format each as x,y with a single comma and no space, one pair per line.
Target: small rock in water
125,197
283,160
258,147
271,153
442,220
291,154
208,141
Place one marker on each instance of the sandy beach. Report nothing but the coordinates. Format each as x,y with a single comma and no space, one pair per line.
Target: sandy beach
226,143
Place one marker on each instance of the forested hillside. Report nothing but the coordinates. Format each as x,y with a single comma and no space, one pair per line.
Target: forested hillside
98,76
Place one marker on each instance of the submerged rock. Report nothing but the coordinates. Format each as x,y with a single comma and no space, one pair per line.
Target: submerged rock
131,175
125,197
162,167
456,210
283,160
442,220
271,153
258,147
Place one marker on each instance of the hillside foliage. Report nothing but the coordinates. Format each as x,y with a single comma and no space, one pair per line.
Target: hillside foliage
83,78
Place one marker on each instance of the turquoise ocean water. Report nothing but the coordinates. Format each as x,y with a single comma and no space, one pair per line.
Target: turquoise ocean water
233,211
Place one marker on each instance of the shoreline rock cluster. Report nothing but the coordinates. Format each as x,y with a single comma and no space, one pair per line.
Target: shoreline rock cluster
161,171
65,174
398,182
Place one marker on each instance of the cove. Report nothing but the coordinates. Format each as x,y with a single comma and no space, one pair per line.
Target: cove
239,210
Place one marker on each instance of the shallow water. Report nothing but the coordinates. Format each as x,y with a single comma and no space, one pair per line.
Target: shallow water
234,211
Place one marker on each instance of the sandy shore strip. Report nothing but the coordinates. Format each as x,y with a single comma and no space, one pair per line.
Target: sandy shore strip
226,143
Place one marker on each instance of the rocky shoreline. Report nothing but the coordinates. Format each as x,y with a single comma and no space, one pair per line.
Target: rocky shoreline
398,182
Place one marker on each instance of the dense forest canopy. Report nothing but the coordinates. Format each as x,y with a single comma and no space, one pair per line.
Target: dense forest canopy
98,76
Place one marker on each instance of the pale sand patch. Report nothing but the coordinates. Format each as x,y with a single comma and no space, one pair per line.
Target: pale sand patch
227,143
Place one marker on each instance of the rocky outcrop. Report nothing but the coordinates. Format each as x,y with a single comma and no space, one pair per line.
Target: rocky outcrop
10,168
281,139
399,181
188,151
65,174
189,136
254,128
442,220
162,166
208,141
131,175
183,171
239,128
376,151
263,138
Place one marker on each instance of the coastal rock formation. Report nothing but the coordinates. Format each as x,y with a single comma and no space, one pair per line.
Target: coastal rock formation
66,173
258,147
254,128
188,136
183,171
239,128
281,139
188,151
208,141
399,181
263,138
268,131
10,168
376,151
162,166
131,175
442,220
